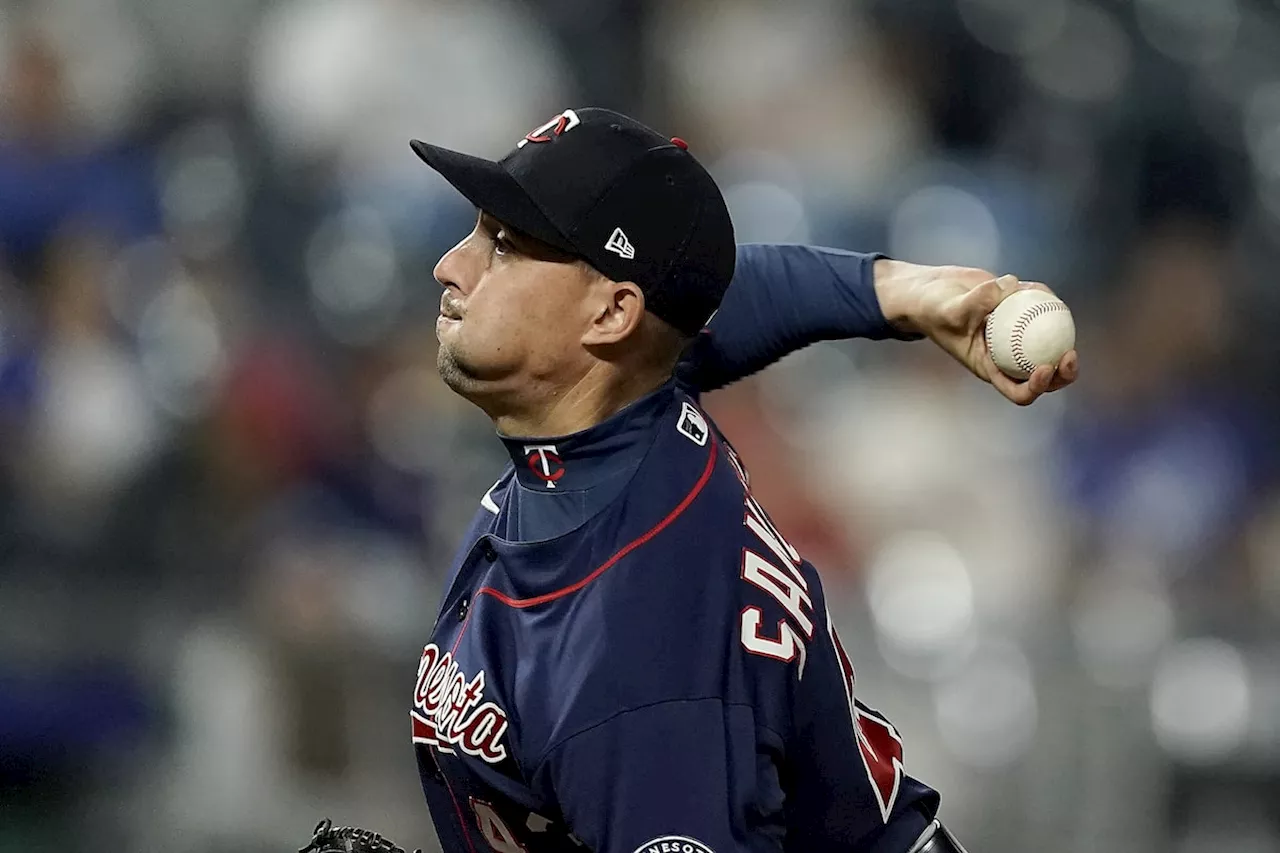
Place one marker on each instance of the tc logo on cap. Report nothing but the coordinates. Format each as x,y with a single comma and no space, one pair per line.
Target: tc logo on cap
562,123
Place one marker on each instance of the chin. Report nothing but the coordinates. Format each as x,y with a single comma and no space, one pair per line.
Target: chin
487,386
450,370
457,371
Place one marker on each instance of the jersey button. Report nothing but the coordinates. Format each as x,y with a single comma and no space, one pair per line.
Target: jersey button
486,550
463,607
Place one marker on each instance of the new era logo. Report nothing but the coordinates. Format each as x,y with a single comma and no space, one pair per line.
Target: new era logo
620,245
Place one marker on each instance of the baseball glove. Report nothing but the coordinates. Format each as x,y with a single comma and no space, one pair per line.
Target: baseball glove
348,839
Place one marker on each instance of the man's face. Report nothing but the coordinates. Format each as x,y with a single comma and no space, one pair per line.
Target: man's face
512,313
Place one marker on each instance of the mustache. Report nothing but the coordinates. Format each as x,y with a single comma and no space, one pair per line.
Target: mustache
449,306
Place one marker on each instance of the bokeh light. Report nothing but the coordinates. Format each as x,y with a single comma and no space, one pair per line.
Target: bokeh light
1120,625
1201,700
1014,27
945,222
354,276
921,598
987,711
1088,60
1192,31
183,355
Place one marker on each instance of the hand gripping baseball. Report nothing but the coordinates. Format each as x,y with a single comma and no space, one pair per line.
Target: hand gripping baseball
951,307
348,839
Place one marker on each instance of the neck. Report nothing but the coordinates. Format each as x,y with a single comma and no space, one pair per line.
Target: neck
572,407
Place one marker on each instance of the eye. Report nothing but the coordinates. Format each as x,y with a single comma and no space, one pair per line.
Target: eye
502,245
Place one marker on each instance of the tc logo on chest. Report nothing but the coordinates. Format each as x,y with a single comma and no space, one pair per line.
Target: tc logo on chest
544,463
449,711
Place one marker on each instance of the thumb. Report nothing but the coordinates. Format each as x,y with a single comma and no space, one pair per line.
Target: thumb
984,298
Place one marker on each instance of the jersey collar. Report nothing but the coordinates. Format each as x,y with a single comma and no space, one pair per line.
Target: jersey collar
581,460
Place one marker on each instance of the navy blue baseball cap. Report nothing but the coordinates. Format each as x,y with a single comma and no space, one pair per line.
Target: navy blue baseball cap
633,203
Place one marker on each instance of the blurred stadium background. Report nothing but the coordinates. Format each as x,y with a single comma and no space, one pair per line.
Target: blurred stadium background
230,479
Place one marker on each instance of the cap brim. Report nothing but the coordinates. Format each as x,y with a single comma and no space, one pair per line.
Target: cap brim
493,190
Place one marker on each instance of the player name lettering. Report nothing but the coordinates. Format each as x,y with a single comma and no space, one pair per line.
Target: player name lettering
449,711
776,570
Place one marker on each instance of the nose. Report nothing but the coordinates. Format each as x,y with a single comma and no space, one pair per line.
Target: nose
453,269
446,268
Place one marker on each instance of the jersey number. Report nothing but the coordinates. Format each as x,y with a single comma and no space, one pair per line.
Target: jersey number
878,740
495,832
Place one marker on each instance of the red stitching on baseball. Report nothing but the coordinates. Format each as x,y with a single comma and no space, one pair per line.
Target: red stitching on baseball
1020,328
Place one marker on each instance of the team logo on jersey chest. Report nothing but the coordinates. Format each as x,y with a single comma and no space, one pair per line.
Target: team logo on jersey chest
449,711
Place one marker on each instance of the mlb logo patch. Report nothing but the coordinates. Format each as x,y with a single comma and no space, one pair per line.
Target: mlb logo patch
692,425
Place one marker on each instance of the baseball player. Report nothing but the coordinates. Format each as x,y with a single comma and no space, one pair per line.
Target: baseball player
629,656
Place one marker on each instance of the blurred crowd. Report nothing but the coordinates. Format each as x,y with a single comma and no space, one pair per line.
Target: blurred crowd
230,480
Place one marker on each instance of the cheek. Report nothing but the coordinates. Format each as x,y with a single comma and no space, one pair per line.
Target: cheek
536,311
551,312
502,330
557,323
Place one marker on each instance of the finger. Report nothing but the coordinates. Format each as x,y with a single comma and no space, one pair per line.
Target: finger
982,300
1020,393
1069,367
1067,373
1036,285
1042,379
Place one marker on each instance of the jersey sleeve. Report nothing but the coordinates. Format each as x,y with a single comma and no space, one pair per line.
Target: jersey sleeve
784,298
677,770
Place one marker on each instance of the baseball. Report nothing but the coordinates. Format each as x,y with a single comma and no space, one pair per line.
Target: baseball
1027,329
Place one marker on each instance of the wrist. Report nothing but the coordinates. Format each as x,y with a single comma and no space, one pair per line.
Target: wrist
898,286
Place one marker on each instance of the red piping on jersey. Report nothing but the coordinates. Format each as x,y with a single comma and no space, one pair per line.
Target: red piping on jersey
627,549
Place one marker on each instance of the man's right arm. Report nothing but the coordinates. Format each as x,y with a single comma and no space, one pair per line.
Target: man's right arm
784,298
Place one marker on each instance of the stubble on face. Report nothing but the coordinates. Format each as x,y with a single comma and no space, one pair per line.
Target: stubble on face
454,370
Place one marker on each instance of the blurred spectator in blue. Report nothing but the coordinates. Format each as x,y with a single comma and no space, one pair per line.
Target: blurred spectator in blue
66,200
53,178
1167,457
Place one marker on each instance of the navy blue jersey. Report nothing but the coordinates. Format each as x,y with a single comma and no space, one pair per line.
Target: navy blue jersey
630,657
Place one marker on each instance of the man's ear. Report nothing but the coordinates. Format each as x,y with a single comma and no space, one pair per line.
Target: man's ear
617,312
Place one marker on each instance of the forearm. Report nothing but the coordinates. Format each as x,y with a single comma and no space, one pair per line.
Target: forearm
804,294
784,298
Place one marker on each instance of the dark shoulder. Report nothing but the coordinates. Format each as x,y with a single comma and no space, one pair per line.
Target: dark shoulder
687,562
